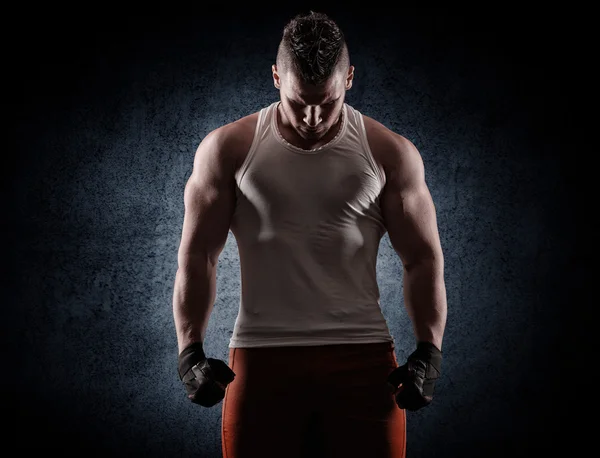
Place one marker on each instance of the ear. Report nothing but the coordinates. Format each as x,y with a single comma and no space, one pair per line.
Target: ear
349,77
276,78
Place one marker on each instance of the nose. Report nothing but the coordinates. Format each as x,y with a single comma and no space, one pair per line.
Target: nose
312,117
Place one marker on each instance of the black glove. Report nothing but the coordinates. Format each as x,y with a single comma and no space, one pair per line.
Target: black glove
417,377
205,379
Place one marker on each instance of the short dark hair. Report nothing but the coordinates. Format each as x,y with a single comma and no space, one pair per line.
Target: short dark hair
313,46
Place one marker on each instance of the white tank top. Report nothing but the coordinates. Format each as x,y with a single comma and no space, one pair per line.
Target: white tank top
308,225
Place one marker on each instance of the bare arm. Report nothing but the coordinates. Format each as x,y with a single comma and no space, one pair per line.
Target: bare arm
209,199
410,219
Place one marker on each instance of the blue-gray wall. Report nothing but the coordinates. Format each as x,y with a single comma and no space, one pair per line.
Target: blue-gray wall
107,117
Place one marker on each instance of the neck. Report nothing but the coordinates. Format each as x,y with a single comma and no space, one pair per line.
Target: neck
290,134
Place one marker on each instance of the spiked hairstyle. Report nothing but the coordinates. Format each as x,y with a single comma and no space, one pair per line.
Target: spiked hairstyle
313,47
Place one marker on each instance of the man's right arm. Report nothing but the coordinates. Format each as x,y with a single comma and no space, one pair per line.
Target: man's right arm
209,200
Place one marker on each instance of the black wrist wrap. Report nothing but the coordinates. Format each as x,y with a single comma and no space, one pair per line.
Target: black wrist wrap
189,356
430,354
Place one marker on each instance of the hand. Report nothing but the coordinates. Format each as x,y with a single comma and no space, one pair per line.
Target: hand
205,379
414,382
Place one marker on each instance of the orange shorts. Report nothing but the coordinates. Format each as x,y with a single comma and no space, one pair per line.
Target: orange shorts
313,401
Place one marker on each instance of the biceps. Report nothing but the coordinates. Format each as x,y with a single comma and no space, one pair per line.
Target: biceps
411,224
208,210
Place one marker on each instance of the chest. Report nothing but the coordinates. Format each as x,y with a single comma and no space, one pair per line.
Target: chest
312,185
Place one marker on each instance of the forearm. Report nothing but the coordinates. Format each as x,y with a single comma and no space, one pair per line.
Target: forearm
193,298
425,300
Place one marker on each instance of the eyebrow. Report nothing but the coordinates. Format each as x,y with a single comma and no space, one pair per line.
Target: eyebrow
301,99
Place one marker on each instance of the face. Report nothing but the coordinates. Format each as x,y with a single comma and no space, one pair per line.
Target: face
312,110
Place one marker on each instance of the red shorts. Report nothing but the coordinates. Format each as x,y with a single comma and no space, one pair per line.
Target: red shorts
319,401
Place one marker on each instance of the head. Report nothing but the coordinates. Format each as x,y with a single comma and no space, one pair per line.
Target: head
312,73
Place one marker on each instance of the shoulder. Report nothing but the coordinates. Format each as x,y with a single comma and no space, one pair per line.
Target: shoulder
394,153
230,142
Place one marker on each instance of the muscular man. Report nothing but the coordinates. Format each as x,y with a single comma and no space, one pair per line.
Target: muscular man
308,186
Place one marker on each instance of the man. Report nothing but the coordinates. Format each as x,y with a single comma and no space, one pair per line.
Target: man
308,186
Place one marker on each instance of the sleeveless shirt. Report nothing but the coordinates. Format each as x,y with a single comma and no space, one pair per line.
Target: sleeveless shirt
308,225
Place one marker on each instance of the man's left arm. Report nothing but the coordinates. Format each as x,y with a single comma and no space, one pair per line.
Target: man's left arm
411,222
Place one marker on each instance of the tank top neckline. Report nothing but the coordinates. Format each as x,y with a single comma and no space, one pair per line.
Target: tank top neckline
296,149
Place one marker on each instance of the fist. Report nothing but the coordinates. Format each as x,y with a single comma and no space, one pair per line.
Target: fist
205,383
414,382
205,379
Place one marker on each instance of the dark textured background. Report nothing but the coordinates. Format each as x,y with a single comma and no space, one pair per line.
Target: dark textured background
105,113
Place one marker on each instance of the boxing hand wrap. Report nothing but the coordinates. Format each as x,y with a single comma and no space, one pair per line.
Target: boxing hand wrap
415,380
205,379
